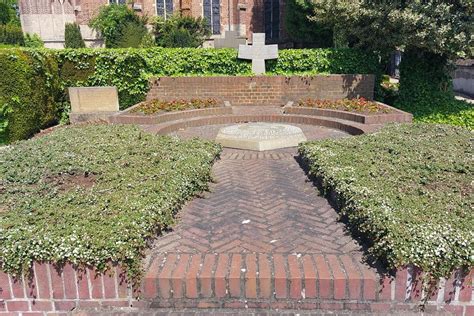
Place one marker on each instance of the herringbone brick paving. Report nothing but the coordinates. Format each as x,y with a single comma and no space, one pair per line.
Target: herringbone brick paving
261,202
262,232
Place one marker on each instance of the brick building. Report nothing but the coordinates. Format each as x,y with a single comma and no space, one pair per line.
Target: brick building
48,17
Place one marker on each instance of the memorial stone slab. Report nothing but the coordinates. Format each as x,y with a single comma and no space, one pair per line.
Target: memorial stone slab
92,103
260,136
258,52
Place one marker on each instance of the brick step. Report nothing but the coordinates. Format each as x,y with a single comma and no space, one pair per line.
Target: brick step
287,281
262,276
350,127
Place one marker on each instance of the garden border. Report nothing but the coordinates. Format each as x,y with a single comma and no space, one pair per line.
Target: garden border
69,289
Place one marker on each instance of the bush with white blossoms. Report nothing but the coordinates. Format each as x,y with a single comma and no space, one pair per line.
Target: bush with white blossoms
407,189
94,195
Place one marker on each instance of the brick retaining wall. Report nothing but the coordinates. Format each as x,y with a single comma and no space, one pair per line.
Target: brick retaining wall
188,282
262,90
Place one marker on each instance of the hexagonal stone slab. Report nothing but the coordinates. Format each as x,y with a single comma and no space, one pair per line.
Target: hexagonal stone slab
260,136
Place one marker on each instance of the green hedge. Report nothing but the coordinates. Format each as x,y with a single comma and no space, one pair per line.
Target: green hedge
130,69
28,89
407,190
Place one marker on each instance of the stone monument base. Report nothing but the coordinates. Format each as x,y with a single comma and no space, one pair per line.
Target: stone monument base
260,136
90,117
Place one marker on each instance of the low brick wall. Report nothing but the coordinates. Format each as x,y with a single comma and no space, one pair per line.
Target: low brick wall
185,285
262,90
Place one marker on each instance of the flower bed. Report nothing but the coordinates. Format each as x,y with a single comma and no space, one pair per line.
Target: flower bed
360,105
94,195
159,106
407,189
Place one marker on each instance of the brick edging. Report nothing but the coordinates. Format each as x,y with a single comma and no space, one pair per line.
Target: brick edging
346,126
395,116
51,290
126,117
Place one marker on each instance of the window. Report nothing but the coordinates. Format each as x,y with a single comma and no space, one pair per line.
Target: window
117,2
164,8
212,15
272,19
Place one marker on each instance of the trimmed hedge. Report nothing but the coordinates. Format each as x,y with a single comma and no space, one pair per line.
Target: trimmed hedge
407,190
28,89
52,71
94,195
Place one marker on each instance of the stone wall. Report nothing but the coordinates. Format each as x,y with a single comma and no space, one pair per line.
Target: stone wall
463,81
262,90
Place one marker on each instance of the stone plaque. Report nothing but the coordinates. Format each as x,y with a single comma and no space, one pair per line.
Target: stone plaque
93,99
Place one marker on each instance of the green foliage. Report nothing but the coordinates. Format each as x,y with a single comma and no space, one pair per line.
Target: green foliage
132,35
64,198
407,189
180,31
440,27
148,41
301,29
33,41
6,13
426,91
111,22
73,37
28,87
11,34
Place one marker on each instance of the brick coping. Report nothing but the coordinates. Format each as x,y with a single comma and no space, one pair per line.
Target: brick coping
176,285
394,116
350,122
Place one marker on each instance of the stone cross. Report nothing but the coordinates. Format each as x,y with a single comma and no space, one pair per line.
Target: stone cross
258,52
231,39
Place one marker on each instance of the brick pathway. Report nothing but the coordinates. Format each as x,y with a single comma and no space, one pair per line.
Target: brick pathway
262,232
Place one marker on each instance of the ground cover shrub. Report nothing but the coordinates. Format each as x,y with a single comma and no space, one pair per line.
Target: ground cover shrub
73,37
28,89
94,195
350,105
156,106
407,190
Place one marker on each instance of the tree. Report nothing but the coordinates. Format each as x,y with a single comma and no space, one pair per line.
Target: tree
73,37
180,31
303,31
132,35
112,20
431,32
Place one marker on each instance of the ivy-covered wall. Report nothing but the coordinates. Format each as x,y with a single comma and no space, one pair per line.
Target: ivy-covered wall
39,99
